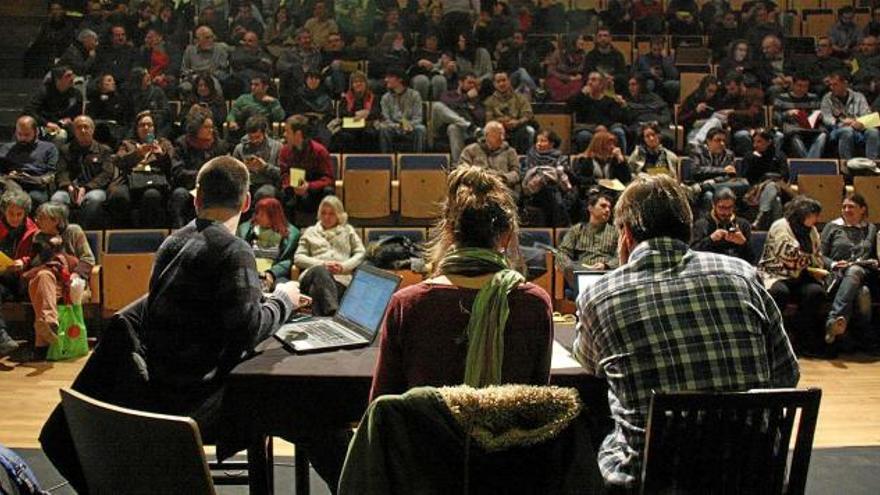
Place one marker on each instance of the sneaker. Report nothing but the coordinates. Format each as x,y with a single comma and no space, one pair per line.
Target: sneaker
834,328
7,345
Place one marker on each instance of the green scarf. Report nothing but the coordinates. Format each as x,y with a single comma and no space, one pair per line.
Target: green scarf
485,329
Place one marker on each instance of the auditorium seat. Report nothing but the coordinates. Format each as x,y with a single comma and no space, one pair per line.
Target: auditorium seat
756,245
811,166
422,184
367,192
817,22
96,243
827,190
336,162
869,187
127,264
689,82
559,123
527,238
560,303
685,172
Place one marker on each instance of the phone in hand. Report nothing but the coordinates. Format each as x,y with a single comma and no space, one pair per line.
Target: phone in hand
304,301
150,139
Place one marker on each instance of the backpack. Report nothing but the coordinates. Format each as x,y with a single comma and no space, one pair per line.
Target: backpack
394,252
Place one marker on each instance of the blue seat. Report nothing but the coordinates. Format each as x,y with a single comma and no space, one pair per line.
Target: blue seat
434,161
811,166
685,173
96,243
134,241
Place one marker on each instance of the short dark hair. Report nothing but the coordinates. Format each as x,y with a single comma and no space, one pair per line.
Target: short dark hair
801,76
800,208
724,194
256,123
298,123
654,206
733,77
263,78
551,136
223,182
857,199
714,132
595,194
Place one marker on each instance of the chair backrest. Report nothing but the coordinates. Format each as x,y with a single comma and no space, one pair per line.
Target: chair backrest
126,451
134,241
96,243
811,166
827,190
869,187
756,244
127,263
689,81
367,192
706,442
422,184
685,171
560,123
817,22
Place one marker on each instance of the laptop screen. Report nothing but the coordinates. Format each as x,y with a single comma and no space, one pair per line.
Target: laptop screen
366,298
585,280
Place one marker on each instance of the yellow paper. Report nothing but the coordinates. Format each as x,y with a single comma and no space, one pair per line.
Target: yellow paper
5,261
870,120
657,171
297,176
263,265
353,123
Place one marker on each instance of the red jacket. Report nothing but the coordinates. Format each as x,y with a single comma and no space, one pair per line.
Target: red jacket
314,158
23,248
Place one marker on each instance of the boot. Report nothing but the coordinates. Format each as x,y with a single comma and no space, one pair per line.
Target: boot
7,345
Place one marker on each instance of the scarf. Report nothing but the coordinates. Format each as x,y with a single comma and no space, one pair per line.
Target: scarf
351,101
547,158
802,234
200,144
485,328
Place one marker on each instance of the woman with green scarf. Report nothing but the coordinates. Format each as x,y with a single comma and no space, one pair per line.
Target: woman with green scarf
477,321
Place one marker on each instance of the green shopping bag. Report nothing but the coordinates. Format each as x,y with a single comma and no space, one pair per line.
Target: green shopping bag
72,341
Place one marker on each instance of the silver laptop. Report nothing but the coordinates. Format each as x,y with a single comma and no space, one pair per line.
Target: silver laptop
585,279
355,324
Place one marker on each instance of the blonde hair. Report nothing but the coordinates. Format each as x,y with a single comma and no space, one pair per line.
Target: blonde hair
335,203
477,211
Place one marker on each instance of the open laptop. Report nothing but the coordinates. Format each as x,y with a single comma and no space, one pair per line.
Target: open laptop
355,324
585,279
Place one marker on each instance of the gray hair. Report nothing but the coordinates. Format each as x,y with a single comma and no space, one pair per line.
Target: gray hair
86,33
493,125
15,197
654,206
335,203
56,211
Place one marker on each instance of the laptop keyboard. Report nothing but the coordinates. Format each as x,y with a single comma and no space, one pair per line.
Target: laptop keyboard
324,332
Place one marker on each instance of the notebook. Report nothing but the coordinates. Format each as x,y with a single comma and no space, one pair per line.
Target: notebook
355,324
585,279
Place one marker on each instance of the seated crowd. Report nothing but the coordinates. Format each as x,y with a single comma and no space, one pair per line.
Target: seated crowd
112,153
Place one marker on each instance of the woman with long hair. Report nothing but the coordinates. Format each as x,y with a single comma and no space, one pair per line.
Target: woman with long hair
328,253
495,327
793,269
207,92
564,66
360,103
850,242
199,144
147,97
650,156
699,105
274,241
738,59
469,58
602,160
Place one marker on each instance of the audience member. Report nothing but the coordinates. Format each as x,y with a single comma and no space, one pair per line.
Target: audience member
545,185
644,106
273,239
493,153
359,104
471,58
161,59
654,221
207,93
144,163
521,63
328,253
772,69
321,25
55,103
199,144
29,162
427,69
109,109
81,54
472,284
722,231
844,34
659,70
822,66
512,110
261,155
60,255
593,108
295,61
604,57
245,22
793,113
767,174
602,160
144,95
401,115
850,243
313,101
85,170
204,56
257,102
461,111
699,106
302,152
249,60
590,244
793,269
737,61
563,66
17,232
117,58
650,156
55,35
841,109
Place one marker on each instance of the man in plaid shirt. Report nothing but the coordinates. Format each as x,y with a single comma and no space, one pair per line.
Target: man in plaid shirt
672,319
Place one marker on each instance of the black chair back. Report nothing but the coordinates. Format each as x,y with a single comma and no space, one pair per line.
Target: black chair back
734,442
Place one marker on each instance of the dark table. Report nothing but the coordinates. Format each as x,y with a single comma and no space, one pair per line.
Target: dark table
277,392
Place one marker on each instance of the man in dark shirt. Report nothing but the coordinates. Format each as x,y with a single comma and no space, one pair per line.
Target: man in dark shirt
461,111
721,231
28,161
119,57
591,108
205,309
605,57
820,67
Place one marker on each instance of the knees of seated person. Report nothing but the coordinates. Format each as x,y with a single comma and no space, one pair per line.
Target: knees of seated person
318,283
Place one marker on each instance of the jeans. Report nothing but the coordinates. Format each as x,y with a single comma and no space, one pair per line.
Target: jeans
853,279
521,79
91,210
388,134
769,198
799,148
583,137
456,129
847,137
429,88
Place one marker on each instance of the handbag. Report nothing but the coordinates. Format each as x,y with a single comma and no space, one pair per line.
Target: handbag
72,340
139,181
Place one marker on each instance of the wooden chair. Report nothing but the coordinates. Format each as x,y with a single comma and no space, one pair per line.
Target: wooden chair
126,451
869,187
96,243
689,81
560,123
827,190
367,191
560,303
817,22
626,48
336,161
127,264
735,442
422,184
416,234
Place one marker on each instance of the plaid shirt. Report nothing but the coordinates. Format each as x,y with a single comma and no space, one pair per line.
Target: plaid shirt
585,244
674,319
